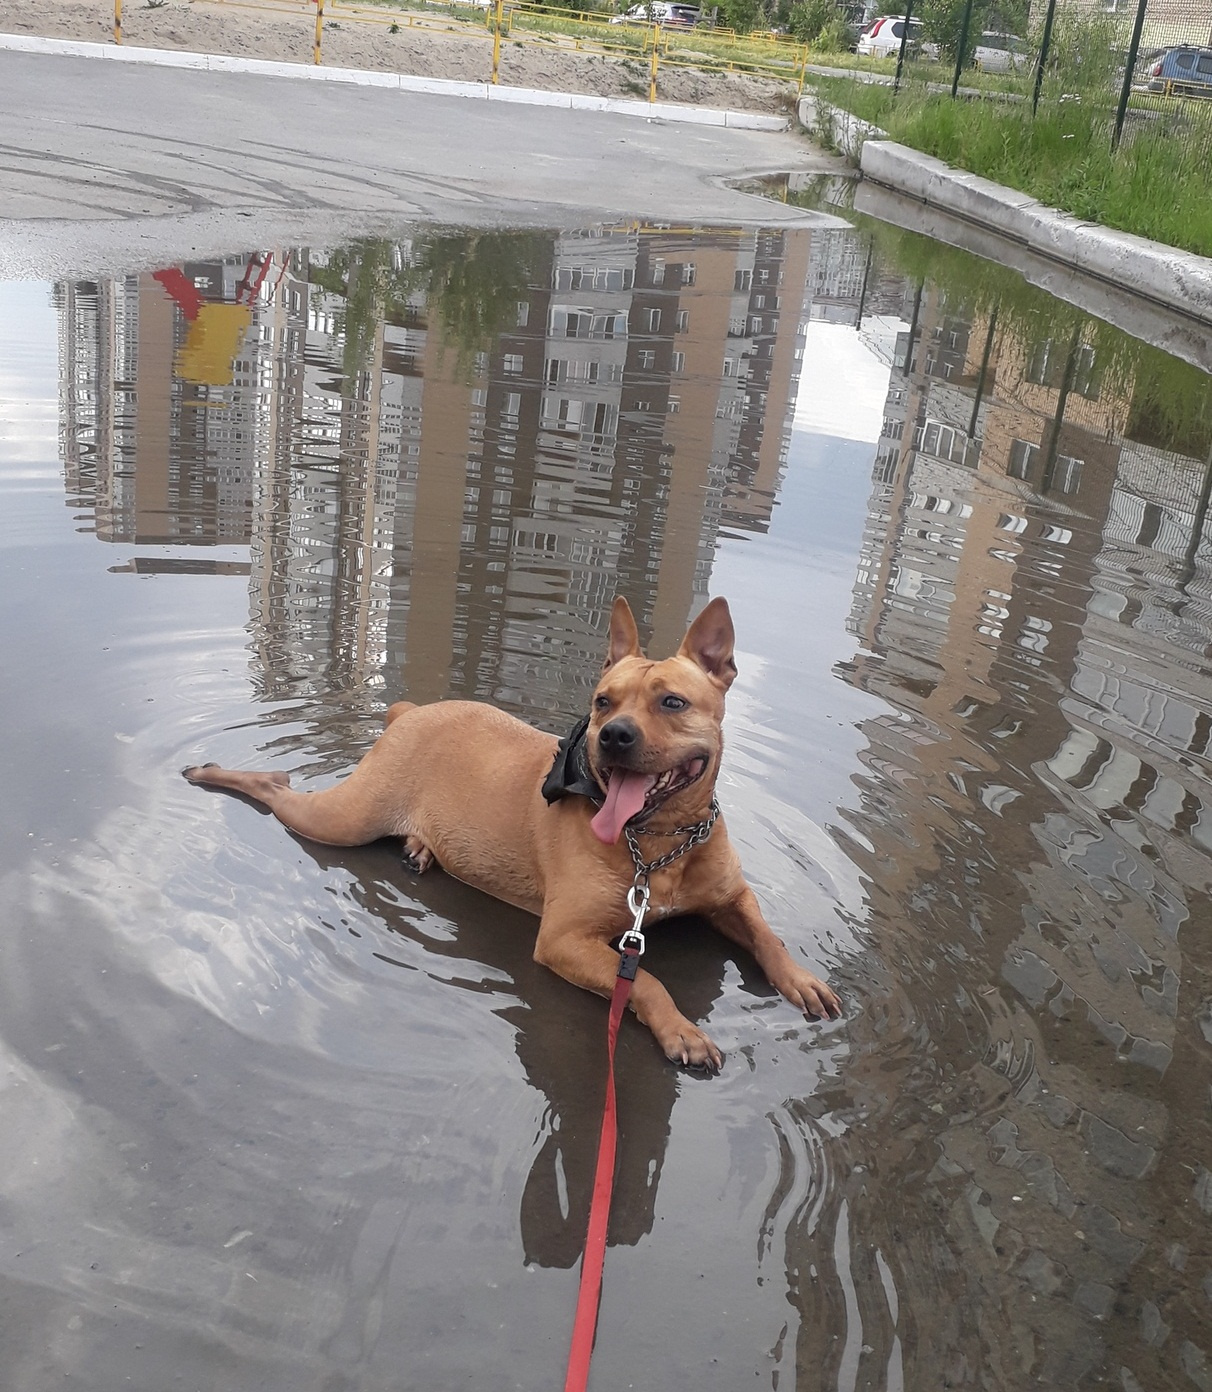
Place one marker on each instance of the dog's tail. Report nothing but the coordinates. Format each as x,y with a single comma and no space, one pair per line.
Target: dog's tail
397,710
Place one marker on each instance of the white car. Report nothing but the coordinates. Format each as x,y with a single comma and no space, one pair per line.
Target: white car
998,53
882,37
664,12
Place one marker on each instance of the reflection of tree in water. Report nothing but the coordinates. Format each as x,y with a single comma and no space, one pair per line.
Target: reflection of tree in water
472,282
974,289
1171,395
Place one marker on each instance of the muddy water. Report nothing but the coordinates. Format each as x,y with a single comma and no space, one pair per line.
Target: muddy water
284,1117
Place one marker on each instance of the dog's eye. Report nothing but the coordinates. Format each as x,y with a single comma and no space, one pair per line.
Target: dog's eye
601,703
672,702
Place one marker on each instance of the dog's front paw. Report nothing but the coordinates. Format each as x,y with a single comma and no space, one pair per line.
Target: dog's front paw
685,1043
808,993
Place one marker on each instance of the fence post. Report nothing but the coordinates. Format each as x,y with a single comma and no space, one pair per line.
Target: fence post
496,41
1129,69
900,53
117,21
962,49
803,68
1044,44
652,77
319,32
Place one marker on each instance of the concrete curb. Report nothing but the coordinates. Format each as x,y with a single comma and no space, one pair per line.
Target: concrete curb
1177,279
831,126
483,91
1158,324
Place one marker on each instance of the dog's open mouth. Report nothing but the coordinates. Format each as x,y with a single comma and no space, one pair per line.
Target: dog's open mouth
635,796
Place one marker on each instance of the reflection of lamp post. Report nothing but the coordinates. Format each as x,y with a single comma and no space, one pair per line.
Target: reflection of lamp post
1197,525
980,381
917,305
1062,400
858,323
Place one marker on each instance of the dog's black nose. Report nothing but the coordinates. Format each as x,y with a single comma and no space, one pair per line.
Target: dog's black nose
618,737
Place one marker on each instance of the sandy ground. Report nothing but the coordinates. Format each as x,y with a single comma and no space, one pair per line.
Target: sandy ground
464,53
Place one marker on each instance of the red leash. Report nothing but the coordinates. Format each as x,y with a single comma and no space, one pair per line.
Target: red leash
585,1325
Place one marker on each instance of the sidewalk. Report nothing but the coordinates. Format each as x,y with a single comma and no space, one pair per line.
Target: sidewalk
400,82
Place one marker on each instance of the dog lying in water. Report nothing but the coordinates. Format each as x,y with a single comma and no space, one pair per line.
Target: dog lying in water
553,826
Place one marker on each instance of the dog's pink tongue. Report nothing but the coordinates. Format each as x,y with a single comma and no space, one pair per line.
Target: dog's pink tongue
625,794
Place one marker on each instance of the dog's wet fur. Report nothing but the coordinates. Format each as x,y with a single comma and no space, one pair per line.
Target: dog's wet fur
460,783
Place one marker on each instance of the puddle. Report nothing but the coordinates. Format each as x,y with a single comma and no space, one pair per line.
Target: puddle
285,1116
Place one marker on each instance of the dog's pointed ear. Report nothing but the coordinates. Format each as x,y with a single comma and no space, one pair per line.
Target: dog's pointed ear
709,642
624,636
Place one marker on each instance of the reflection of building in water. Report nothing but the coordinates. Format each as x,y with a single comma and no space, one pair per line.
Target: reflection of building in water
160,439
1016,528
841,265
412,506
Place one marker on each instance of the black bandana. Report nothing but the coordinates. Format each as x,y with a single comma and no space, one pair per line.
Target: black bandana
570,776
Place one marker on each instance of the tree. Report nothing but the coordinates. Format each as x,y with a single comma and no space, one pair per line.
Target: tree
943,22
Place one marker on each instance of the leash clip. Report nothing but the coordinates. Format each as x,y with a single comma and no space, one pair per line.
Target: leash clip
637,901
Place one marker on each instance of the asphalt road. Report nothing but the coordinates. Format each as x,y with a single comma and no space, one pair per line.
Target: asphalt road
98,160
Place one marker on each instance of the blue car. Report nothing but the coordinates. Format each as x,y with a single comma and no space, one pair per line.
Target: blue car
1183,72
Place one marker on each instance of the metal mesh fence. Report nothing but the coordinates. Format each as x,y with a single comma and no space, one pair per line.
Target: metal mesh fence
1098,92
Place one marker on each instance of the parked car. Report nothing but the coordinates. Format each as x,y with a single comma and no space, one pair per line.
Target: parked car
664,12
996,53
1186,71
882,37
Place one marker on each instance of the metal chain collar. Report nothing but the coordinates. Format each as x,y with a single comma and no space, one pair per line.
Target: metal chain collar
695,836
639,893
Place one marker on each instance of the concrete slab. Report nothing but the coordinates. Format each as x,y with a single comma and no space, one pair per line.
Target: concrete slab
126,53
527,97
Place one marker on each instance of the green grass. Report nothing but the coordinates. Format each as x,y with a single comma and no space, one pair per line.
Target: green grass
1158,185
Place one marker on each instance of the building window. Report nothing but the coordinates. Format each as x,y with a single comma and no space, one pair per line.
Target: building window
679,362
658,273
512,363
688,273
523,313
744,279
1022,459
1046,364
683,321
947,443
1067,476
654,321
647,359
1086,373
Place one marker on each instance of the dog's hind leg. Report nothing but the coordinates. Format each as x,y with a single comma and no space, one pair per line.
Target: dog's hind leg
417,856
340,816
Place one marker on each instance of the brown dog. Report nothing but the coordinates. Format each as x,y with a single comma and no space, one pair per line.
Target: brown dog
510,810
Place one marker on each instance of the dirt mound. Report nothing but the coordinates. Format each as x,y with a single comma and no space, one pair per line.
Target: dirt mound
464,53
